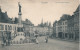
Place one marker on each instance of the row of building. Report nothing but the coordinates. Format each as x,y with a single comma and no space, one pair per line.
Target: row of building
41,29
68,26
28,28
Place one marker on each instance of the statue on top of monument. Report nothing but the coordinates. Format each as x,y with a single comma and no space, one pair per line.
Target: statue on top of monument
19,6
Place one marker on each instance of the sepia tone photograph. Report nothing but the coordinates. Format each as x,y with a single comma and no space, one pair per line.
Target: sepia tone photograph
39,25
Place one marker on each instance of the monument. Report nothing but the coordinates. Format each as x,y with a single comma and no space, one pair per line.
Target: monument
20,34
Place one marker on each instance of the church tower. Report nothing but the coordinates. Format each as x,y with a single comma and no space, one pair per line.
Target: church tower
19,13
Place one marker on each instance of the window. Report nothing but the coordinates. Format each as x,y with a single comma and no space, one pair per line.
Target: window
1,27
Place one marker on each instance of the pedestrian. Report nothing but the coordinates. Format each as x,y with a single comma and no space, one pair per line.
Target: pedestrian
6,42
46,39
37,41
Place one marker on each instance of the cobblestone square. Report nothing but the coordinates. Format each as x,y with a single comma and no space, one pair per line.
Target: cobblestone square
53,44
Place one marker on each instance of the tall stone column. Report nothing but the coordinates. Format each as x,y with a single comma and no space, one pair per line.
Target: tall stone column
19,14
20,20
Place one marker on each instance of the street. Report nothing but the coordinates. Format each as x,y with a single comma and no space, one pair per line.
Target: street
53,44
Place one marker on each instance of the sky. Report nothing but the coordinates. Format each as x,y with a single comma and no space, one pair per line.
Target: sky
36,10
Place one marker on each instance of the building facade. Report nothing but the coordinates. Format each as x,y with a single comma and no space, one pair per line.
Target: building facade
62,27
68,26
12,28
76,23
71,27
8,32
41,30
